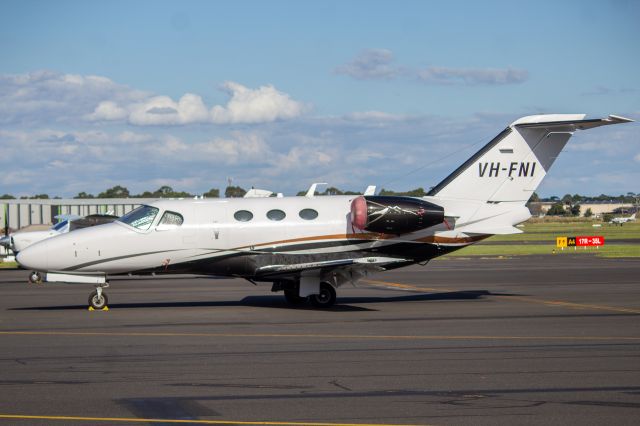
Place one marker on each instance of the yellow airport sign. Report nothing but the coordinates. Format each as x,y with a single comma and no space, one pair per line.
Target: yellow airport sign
561,242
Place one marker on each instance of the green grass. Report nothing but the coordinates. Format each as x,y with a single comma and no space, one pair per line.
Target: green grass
548,231
508,250
8,265
541,235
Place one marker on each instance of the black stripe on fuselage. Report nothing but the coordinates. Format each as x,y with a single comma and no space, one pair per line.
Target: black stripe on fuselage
111,259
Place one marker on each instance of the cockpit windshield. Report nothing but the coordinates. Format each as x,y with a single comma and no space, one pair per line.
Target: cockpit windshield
140,218
58,226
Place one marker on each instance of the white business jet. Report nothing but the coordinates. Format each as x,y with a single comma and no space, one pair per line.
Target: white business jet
308,246
19,241
622,220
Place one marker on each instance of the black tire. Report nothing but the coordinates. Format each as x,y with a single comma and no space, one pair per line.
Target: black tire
98,302
35,277
326,298
292,298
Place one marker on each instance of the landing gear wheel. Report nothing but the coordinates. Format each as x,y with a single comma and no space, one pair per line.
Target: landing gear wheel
35,277
326,298
292,298
98,300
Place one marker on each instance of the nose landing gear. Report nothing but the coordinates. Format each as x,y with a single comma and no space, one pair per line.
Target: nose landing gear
98,299
35,277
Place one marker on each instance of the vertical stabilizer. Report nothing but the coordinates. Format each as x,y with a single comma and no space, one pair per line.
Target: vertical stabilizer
513,164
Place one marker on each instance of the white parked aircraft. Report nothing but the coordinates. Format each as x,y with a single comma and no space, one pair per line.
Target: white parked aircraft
19,241
622,220
309,246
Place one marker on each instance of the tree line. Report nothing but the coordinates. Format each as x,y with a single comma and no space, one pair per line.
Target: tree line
567,201
165,191
570,205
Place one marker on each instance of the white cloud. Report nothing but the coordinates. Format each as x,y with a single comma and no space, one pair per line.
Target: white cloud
606,91
370,64
378,64
472,76
46,96
107,111
133,138
246,106
50,97
377,116
261,105
162,110
174,145
242,147
303,157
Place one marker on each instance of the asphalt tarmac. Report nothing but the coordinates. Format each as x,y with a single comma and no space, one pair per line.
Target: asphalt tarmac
551,340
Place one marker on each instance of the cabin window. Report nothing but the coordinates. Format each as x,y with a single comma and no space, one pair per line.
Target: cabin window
308,214
243,215
140,218
276,214
171,219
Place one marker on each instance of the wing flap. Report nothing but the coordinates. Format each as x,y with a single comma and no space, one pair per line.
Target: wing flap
373,262
491,230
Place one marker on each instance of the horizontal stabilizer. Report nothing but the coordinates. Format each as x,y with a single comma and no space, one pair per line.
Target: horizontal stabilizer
570,122
503,230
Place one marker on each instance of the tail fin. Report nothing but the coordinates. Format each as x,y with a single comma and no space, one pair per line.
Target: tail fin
512,165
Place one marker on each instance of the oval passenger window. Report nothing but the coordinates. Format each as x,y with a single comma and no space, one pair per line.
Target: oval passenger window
308,214
276,214
243,215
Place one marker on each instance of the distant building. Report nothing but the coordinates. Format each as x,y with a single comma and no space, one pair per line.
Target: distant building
538,208
598,209
22,213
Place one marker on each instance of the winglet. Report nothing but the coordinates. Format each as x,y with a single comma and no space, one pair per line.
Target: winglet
312,189
619,119
371,190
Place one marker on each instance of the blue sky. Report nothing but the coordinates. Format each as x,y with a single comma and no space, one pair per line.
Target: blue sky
281,94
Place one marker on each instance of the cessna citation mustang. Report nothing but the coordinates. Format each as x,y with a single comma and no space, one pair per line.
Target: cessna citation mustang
309,246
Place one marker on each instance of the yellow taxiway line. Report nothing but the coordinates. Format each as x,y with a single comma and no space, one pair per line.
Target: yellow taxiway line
180,421
313,336
570,305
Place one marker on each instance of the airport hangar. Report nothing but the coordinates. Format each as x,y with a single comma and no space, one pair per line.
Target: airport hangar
27,212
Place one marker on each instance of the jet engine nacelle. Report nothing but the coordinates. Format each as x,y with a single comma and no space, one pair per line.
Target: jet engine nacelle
394,215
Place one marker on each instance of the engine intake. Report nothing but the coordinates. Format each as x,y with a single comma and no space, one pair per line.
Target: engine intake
394,215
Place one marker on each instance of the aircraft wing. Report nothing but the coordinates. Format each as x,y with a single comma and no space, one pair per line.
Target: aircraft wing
366,264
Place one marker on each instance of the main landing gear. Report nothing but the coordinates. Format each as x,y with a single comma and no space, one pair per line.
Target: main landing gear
324,297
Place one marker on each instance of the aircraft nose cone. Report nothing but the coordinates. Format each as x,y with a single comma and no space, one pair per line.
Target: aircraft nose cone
35,257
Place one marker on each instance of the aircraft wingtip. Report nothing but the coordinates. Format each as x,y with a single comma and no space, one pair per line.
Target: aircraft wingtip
619,119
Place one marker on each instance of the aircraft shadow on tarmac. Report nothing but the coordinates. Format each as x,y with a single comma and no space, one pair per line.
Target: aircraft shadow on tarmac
344,304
